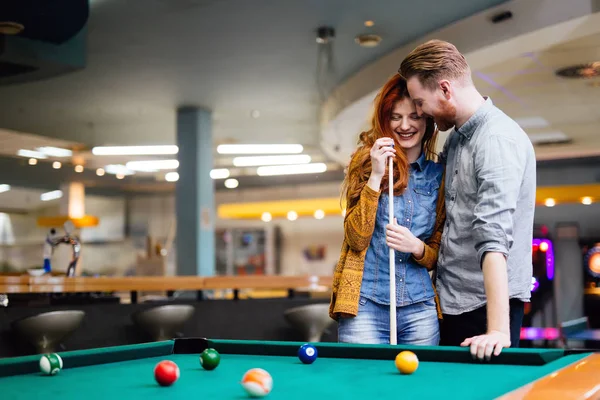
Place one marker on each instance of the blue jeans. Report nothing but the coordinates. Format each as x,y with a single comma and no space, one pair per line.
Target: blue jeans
417,324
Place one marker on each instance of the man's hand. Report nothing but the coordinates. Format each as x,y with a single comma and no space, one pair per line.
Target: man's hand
484,346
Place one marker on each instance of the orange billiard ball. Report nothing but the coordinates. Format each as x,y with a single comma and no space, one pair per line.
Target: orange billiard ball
407,362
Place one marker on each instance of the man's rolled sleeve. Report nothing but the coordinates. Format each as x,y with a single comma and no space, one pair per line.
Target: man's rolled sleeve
499,169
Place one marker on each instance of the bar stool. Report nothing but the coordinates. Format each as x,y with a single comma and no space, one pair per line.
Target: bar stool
47,330
163,322
311,320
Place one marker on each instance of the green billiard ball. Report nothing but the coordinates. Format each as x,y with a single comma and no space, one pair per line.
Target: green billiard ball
209,359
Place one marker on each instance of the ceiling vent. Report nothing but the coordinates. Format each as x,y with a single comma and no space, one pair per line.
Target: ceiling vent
580,71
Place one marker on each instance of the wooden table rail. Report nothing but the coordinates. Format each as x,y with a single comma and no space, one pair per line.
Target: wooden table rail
56,284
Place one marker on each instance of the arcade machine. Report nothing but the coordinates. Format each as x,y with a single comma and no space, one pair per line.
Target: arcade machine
539,321
591,262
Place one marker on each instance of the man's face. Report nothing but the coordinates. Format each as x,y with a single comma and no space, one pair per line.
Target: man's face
432,103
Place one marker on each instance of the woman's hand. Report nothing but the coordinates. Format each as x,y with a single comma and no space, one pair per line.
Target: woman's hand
380,152
401,239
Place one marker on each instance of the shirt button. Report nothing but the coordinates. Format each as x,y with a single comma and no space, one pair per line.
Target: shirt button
456,171
452,198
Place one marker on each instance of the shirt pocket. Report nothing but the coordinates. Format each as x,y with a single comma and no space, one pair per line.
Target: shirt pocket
426,195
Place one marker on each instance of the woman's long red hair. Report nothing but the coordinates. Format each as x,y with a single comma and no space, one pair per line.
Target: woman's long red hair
359,169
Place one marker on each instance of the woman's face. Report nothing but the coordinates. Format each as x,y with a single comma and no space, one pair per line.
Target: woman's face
408,126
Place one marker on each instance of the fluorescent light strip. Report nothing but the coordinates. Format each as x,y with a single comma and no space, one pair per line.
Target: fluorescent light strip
55,194
55,151
219,173
118,169
260,149
4,188
134,150
291,169
152,165
271,160
31,154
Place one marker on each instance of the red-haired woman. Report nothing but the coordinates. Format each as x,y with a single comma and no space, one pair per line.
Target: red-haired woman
361,289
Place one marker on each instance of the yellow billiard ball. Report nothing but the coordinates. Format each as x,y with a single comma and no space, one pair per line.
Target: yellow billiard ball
407,362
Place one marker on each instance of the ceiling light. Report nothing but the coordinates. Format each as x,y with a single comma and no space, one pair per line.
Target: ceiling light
31,154
266,217
152,165
231,183
100,172
550,202
548,138
32,161
369,23
319,214
55,194
10,28
532,122
368,40
55,151
119,176
292,215
584,71
4,188
291,169
171,177
260,149
118,169
134,150
56,165
586,201
271,160
219,173
79,168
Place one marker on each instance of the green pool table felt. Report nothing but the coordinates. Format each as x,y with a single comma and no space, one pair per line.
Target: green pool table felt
327,378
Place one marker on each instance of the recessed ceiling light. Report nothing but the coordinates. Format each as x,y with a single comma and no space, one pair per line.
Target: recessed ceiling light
32,161
79,168
266,217
368,40
56,165
586,201
171,177
319,214
219,173
118,169
550,202
152,165
231,183
55,151
120,176
369,23
100,172
292,215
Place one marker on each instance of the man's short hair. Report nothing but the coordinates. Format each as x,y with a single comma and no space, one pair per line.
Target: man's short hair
435,60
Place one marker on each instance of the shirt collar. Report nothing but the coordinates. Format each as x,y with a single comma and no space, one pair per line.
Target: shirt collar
420,162
472,123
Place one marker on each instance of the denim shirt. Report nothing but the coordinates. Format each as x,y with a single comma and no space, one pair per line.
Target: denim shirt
414,209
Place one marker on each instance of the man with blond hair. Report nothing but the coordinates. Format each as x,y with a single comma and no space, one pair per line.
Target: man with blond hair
484,267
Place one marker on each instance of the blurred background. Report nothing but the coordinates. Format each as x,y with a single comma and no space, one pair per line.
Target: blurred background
208,138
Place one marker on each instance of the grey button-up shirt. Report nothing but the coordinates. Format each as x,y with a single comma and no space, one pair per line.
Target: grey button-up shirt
490,203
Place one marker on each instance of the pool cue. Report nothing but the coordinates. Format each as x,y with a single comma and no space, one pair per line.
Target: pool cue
393,328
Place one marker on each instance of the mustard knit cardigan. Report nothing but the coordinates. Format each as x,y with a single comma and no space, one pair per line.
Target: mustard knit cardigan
359,224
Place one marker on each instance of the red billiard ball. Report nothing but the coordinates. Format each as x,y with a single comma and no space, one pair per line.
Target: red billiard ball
166,373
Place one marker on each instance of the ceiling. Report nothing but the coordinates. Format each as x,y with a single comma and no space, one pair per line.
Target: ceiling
547,106
146,59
